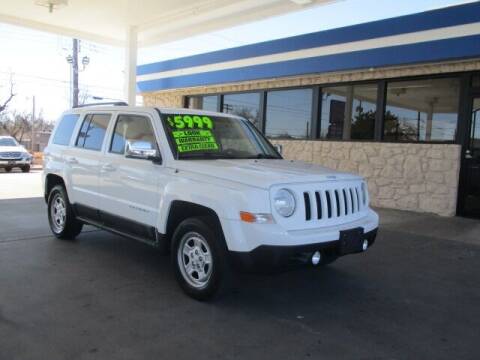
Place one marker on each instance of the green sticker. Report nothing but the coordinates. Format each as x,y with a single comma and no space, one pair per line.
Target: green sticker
197,147
190,122
194,140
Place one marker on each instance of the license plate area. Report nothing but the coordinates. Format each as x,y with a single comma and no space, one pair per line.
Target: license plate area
351,241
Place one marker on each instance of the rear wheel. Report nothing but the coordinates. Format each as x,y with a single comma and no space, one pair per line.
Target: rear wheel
61,218
199,257
26,168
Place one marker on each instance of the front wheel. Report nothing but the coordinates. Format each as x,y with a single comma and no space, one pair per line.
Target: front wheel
8,169
199,257
61,218
26,168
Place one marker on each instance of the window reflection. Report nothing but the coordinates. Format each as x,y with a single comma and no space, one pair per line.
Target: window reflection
246,105
289,114
348,112
422,110
209,103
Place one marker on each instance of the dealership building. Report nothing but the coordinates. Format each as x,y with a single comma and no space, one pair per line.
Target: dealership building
395,100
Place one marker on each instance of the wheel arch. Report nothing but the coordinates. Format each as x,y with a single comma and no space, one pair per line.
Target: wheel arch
181,210
52,180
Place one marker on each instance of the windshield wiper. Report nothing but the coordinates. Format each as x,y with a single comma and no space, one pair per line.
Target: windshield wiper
263,156
207,156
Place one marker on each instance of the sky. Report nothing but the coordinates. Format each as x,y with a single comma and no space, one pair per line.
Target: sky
38,63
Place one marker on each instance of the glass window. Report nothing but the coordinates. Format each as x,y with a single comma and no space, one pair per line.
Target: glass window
215,137
422,110
333,112
476,81
65,129
289,114
357,103
209,103
132,129
246,105
93,131
364,111
8,141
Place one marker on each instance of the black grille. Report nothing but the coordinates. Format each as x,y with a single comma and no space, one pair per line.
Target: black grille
327,204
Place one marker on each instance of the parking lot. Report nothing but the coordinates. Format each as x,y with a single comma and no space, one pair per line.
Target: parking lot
414,295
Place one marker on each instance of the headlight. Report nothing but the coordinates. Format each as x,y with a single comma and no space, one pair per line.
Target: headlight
284,202
26,156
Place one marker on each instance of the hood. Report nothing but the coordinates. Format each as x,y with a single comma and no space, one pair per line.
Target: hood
262,173
12,149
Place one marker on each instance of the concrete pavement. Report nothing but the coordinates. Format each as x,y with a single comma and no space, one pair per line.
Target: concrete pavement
414,295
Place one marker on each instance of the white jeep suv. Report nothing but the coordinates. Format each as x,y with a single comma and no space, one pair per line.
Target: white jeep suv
206,187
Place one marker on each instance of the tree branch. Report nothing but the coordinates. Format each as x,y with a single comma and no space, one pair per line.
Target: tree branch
10,97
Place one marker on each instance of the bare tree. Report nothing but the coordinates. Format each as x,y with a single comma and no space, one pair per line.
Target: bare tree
16,124
4,105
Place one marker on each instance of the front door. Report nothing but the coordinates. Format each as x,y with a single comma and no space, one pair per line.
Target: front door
130,186
470,192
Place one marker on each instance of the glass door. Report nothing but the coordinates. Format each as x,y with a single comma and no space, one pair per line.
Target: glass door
471,163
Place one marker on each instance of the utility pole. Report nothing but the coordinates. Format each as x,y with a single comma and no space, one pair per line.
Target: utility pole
72,59
33,124
75,73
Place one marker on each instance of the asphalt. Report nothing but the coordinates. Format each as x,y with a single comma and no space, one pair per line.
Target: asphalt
414,295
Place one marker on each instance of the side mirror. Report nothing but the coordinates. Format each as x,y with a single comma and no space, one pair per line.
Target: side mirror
279,148
142,150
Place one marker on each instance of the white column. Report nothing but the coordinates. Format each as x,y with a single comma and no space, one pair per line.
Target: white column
131,66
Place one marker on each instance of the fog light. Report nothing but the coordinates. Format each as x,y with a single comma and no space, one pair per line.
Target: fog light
316,257
365,245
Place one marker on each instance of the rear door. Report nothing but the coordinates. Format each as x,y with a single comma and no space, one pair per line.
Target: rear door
83,162
130,187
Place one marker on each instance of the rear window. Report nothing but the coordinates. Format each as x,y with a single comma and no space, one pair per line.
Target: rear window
65,129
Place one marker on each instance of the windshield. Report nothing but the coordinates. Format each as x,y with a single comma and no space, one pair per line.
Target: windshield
215,137
7,142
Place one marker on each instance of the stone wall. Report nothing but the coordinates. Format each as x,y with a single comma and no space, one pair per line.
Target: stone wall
417,177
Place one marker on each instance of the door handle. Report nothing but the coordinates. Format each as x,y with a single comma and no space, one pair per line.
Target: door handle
72,160
108,167
468,154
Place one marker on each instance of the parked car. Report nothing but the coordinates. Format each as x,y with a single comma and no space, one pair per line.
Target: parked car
12,155
206,187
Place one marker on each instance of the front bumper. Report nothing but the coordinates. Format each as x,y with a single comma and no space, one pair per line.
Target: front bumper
10,163
270,257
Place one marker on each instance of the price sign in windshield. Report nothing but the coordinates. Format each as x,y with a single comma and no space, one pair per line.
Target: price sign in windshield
192,133
190,122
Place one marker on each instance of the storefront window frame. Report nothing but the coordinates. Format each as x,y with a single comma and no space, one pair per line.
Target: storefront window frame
382,85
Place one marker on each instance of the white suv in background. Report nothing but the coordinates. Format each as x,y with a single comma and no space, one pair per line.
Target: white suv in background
207,187
13,155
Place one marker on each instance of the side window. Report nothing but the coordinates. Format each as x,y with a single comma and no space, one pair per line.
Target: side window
65,129
93,131
134,129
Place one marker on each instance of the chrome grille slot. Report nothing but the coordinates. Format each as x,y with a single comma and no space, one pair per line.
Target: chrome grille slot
329,204
319,205
346,203
308,211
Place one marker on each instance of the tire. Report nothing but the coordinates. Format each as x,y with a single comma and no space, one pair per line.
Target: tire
8,169
61,218
199,258
26,168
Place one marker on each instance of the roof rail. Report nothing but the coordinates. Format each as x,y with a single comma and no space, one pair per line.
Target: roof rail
114,103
